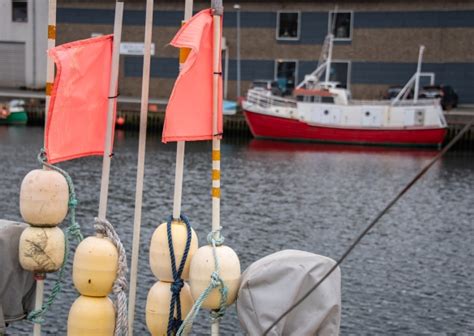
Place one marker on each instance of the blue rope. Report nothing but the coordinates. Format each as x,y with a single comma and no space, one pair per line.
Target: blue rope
178,283
73,230
214,239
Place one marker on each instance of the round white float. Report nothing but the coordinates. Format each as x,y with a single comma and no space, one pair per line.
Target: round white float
160,261
41,250
202,267
44,198
158,306
91,316
95,266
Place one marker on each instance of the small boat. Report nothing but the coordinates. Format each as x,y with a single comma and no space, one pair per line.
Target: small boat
13,113
324,111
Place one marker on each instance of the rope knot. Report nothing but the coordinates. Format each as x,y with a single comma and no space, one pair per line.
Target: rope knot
72,203
215,279
176,286
215,238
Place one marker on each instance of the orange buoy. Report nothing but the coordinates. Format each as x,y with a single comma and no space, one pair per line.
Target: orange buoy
120,121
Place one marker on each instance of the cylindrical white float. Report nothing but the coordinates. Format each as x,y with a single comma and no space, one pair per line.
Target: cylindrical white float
158,306
41,250
202,267
91,316
160,261
44,198
95,266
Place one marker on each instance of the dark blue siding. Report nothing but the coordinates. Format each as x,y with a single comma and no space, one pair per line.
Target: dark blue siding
313,24
418,19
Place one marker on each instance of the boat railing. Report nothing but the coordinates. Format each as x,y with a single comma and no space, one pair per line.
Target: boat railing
420,102
265,98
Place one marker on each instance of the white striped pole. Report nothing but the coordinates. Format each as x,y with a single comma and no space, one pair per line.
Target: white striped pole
49,87
140,165
104,184
216,142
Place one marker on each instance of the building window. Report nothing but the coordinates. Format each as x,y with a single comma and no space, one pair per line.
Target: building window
340,24
288,26
286,75
341,73
20,10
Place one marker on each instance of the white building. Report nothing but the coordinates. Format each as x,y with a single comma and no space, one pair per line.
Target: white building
23,43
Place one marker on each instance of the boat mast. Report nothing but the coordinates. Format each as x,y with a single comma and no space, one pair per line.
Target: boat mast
418,72
329,57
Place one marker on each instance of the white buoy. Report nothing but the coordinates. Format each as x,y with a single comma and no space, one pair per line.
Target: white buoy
95,266
158,306
202,267
44,197
41,250
160,259
91,316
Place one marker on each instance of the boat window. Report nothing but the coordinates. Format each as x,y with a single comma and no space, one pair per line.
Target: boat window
340,24
327,100
286,75
288,26
300,98
20,10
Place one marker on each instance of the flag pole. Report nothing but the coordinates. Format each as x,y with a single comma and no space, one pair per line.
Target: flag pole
104,184
140,164
180,145
216,142
49,87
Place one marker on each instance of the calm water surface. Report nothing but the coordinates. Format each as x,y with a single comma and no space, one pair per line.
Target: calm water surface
413,274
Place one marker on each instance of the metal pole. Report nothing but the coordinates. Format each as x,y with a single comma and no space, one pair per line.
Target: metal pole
418,71
104,184
140,164
216,142
226,68
180,145
237,8
329,59
49,87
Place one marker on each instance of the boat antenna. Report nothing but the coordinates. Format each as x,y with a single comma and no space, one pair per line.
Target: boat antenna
412,182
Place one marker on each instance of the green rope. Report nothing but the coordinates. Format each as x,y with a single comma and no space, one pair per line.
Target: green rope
214,239
72,231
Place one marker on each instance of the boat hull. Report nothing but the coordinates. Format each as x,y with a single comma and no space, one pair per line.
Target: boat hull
15,118
272,127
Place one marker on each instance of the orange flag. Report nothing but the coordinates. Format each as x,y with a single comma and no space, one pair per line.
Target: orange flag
77,115
189,111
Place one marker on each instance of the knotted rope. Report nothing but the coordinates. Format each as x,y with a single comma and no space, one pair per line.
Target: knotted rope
103,227
72,231
178,283
215,239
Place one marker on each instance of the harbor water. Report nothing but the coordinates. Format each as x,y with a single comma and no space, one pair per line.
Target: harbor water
413,274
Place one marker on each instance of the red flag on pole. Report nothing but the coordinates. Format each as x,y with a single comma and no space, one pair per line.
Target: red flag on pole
189,111
77,115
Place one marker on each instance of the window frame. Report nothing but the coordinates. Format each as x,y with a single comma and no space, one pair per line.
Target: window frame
275,69
12,2
277,30
351,27
349,70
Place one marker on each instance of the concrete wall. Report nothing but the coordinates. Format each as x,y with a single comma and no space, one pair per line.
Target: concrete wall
383,50
32,33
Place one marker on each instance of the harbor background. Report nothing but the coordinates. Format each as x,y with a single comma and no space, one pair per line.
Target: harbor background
411,275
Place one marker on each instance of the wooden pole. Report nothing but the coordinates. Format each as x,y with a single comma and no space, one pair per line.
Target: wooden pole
180,145
140,164
49,87
104,184
216,142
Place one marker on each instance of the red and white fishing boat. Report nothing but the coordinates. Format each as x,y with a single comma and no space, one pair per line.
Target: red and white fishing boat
324,111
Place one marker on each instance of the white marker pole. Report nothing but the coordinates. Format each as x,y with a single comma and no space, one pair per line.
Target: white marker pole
178,180
216,142
140,165
104,184
49,87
